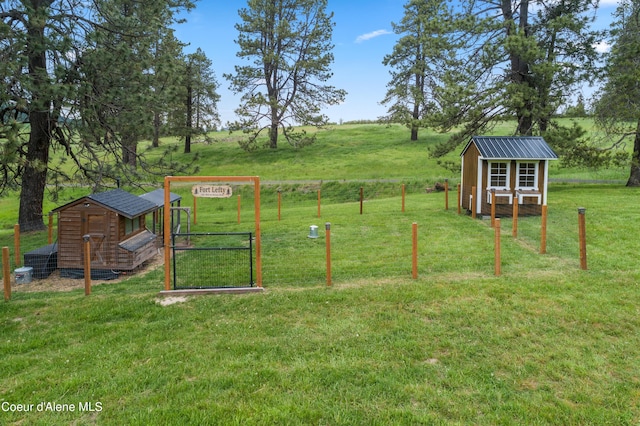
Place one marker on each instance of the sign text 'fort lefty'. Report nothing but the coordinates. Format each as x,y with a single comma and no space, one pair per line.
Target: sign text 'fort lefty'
211,191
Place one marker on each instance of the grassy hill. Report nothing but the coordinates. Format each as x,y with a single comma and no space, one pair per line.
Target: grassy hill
543,343
351,152
361,151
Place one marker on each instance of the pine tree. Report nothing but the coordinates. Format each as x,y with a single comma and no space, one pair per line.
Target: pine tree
618,105
288,43
517,60
200,96
416,61
47,54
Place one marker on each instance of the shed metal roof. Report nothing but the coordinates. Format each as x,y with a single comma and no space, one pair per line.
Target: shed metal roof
512,147
123,202
157,197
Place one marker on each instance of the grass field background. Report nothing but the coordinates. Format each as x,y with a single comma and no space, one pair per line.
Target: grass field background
544,343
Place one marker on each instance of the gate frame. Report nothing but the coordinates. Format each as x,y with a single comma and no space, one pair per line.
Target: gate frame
211,234
167,218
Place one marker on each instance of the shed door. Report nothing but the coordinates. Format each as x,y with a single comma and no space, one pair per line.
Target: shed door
95,225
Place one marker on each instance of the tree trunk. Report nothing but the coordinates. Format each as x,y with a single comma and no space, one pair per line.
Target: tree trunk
525,121
196,102
414,133
34,176
129,150
189,122
419,87
273,131
634,176
416,116
273,136
156,130
519,68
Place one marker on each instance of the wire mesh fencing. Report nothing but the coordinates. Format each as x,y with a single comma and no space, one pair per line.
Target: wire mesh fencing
371,236
209,260
371,240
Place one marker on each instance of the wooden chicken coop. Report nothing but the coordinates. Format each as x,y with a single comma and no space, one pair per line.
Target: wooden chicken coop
114,222
509,169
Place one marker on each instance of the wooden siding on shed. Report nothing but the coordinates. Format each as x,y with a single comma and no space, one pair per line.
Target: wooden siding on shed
73,225
469,175
130,260
69,239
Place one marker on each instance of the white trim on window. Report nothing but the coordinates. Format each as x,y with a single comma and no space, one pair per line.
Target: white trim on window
499,177
527,175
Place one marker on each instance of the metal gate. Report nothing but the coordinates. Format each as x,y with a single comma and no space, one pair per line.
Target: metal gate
212,260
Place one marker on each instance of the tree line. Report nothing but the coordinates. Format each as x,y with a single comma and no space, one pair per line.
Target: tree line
92,79
463,67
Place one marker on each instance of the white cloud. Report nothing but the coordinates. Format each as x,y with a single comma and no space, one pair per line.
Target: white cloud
372,34
602,47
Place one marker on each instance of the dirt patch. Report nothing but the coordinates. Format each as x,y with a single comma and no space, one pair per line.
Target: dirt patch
55,282
166,301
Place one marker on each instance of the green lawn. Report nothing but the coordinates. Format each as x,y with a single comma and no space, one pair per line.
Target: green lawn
544,343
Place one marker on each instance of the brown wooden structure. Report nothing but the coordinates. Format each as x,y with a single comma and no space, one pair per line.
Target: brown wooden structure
509,169
115,223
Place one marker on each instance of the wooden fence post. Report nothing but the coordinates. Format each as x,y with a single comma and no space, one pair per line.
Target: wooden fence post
493,208
543,231
414,250
239,209
279,202
583,237
446,194
327,227
87,264
50,229
514,229
497,262
6,273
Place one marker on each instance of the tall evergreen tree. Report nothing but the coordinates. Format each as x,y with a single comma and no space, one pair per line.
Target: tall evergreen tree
46,54
518,59
417,61
166,80
200,97
289,45
618,106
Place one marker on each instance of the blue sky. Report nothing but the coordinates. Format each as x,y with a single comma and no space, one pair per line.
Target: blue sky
362,37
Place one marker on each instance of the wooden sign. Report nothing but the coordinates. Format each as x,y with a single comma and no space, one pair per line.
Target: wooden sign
211,191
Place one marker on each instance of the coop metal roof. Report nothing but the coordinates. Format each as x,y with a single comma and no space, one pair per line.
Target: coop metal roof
123,203
157,197
512,147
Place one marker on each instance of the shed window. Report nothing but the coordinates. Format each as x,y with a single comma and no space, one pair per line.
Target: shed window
131,225
499,175
527,175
